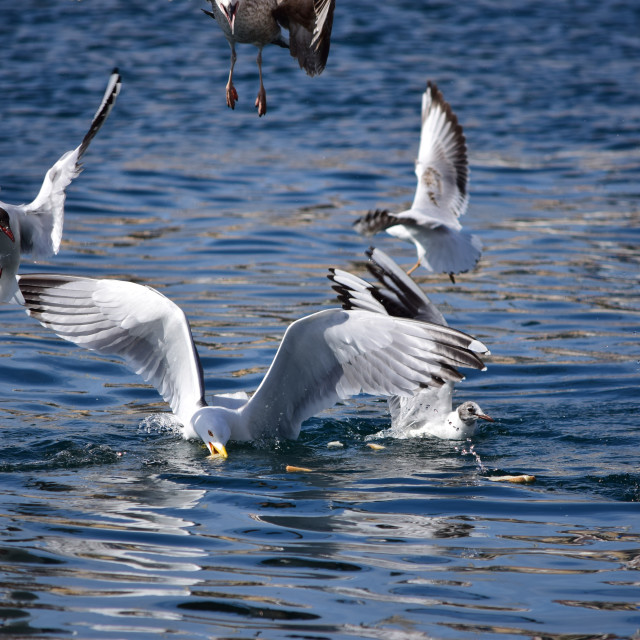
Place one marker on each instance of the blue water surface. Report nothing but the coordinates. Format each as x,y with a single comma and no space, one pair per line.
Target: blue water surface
112,526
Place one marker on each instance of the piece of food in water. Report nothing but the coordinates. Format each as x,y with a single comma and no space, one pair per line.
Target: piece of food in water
519,479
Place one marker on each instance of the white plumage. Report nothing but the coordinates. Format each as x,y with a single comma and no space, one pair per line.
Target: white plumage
36,228
432,223
429,411
324,357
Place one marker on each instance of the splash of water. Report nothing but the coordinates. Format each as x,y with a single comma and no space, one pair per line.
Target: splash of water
159,423
470,451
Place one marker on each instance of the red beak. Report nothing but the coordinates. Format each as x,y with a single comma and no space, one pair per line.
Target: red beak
7,232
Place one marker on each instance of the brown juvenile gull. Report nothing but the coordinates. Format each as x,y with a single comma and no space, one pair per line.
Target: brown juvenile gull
429,412
36,228
324,357
258,22
432,223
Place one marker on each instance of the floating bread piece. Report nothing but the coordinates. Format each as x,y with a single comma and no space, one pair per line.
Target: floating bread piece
375,447
292,468
521,479
335,443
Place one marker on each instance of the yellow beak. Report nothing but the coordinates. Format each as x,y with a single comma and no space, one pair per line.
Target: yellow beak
217,449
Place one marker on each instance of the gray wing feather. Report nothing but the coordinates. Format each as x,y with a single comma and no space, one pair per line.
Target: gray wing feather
336,354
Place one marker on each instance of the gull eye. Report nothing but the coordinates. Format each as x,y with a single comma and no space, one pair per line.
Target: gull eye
209,432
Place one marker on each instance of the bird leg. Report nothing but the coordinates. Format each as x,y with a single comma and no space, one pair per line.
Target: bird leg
261,100
415,266
232,94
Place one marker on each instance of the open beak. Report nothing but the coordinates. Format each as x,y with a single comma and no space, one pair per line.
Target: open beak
7,232
231,15
217,449
484,416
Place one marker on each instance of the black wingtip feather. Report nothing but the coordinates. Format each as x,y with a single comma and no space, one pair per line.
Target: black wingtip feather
103,113
375,221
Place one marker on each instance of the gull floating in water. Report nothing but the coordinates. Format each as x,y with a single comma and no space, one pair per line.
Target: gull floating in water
324,357
432,223
429,411
36,228
259,22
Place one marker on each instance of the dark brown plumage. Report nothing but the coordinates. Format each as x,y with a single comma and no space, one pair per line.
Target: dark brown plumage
259,22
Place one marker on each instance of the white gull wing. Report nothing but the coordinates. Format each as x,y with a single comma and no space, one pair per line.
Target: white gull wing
336,354
442,166
135,322
42,220
397,295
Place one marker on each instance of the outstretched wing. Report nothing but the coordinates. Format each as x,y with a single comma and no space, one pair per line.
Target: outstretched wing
336,354
124,319
41,226
397,294
442,167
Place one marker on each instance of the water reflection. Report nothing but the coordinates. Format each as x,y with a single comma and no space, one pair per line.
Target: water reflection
283,552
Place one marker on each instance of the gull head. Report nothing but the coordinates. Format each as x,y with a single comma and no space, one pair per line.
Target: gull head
229,8
469,412
5,225
211,426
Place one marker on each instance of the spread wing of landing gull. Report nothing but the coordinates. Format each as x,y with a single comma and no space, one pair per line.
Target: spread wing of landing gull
36,228
260,22
324,357
429,411
433,221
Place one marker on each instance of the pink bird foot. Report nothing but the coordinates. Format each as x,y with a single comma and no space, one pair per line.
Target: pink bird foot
232,96
261,102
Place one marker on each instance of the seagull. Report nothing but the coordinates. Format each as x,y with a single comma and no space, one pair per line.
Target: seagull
36,228
432,223
429,411
324,357
259,22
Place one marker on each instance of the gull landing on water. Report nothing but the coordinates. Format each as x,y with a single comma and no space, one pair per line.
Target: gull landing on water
324,357
259,22
429,411
432,223
36,228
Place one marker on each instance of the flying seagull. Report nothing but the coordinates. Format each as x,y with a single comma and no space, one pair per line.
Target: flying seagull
429,411
324,357
259,22
432,223
36,228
